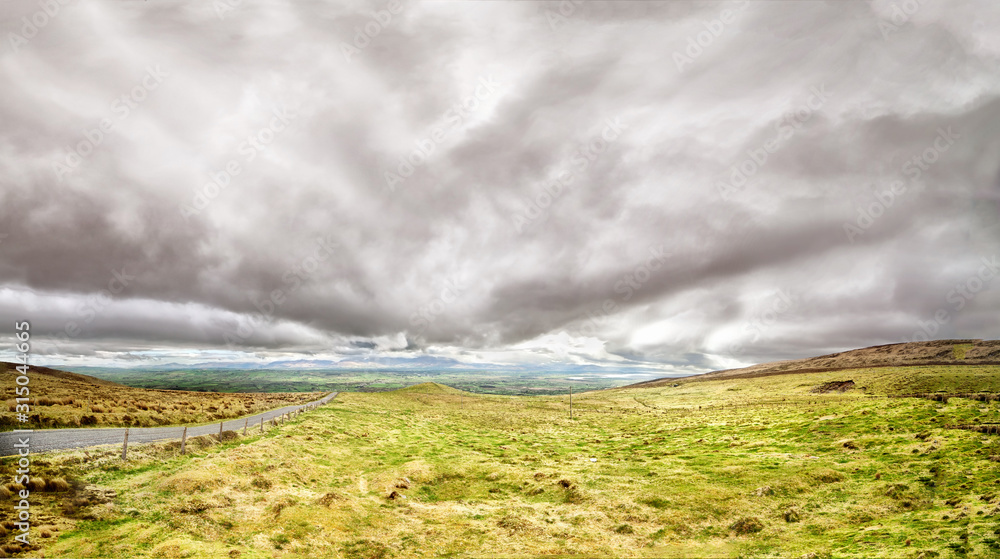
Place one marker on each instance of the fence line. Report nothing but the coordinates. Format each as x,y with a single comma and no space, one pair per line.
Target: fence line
286,416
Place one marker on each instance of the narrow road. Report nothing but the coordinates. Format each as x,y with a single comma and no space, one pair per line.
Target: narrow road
43,440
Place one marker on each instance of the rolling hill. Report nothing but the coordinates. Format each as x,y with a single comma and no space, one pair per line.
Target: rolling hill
938,352
64,399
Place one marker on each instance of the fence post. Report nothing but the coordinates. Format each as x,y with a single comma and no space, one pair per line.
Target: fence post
220,430
245,423
125,446
184,439
262,425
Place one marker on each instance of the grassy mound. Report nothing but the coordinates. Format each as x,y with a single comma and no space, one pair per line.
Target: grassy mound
429,388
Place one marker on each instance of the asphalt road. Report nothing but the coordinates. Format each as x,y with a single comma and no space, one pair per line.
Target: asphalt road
43,440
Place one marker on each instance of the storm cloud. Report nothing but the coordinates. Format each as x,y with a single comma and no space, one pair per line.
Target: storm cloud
675,186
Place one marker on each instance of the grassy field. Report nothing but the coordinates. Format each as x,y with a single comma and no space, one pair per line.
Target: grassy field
754,468
61,399
225,380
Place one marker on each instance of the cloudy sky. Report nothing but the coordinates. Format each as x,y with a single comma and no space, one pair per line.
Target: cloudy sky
668,187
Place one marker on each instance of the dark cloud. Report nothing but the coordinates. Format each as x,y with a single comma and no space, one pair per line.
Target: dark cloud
683,185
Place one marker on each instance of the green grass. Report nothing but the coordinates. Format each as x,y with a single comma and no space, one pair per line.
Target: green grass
498,382
757,468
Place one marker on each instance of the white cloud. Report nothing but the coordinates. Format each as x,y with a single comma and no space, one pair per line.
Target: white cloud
443,246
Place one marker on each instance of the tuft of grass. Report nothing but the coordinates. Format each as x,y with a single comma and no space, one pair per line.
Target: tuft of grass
656,502
747,525
366,549
36,483
624,529
57,485
827,475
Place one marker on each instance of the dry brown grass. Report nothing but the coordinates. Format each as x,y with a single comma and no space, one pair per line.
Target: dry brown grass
73,400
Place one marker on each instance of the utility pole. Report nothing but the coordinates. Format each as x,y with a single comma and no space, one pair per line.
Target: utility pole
571,401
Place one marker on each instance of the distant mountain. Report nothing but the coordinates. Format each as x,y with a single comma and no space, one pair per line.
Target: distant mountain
426,363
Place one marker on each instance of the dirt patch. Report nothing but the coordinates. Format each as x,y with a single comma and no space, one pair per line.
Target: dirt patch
834,386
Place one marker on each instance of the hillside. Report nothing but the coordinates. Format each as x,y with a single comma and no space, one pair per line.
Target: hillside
735,467
65,377
64,399
938,352
430,388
